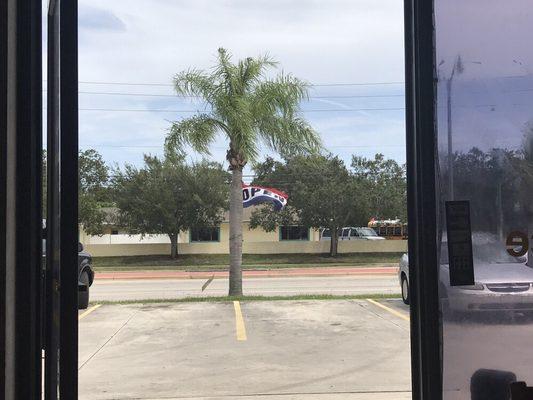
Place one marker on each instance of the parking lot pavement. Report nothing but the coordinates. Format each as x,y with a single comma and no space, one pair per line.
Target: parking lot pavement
474,341
396,304
279,350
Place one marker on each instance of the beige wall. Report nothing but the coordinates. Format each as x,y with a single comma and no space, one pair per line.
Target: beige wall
140,249
256,241
250,235
257,235
268,247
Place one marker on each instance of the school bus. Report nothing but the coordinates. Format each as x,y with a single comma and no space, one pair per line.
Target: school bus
389,228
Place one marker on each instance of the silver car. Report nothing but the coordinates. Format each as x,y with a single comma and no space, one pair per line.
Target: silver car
502,282
358,233
352,233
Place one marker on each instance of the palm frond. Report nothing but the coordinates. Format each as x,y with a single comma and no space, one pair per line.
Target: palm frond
247,106
245,145
226,73
283,94
289,135
198,132
251,70
194,82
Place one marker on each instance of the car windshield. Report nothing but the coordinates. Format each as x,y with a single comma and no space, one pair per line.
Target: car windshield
326,233
489,253
366,232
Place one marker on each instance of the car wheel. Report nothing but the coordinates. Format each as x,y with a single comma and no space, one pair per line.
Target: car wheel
83,296
405,290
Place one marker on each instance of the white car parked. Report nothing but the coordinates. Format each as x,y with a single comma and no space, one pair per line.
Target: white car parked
502,282
352,233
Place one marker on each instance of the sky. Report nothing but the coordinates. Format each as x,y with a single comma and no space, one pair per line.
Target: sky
492,97
129,51
350,51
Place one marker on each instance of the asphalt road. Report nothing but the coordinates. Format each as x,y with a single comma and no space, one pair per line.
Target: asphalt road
144,289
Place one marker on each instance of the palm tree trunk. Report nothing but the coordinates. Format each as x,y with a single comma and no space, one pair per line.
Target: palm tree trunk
235,234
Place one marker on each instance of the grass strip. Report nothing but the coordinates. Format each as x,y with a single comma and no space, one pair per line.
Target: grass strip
213,262
225,299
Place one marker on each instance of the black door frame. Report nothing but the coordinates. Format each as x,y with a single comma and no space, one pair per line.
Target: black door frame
426,363
21,272
68,363
61,278
24,37
61,333
20,194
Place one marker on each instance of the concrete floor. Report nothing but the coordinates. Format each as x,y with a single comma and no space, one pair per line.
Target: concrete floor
142,289
327,350
490,341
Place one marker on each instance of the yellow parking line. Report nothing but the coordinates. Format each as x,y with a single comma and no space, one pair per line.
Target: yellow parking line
88,311
391,310
239,321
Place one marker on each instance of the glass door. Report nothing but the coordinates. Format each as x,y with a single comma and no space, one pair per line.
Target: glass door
485,168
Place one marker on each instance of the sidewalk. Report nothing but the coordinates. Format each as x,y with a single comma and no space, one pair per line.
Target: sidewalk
282,272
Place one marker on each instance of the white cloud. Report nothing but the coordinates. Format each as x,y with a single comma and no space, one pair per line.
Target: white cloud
322,42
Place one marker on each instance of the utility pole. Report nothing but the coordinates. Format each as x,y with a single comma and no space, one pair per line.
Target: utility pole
450,138
457,67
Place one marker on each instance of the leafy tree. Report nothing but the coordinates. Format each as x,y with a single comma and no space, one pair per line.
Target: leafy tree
491,181
525,170
93,190
322,194
249,109
275,174
385,183
168,196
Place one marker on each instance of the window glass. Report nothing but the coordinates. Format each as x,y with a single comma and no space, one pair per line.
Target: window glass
366,232
294,233
345,232
326,233
205,234
354,233
485,132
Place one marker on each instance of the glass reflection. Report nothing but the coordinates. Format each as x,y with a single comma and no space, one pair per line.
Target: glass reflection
485,139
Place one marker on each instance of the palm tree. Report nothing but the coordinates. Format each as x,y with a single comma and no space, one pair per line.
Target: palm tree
249,109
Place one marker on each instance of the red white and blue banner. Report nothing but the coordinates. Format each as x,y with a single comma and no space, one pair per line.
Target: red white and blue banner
252,195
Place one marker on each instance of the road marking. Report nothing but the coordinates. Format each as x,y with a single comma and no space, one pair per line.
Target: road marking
391,310
239,322
88,311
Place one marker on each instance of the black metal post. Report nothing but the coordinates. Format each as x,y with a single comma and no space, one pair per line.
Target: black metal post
53,221
422,199
20,192
3,189
28,227
69,199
